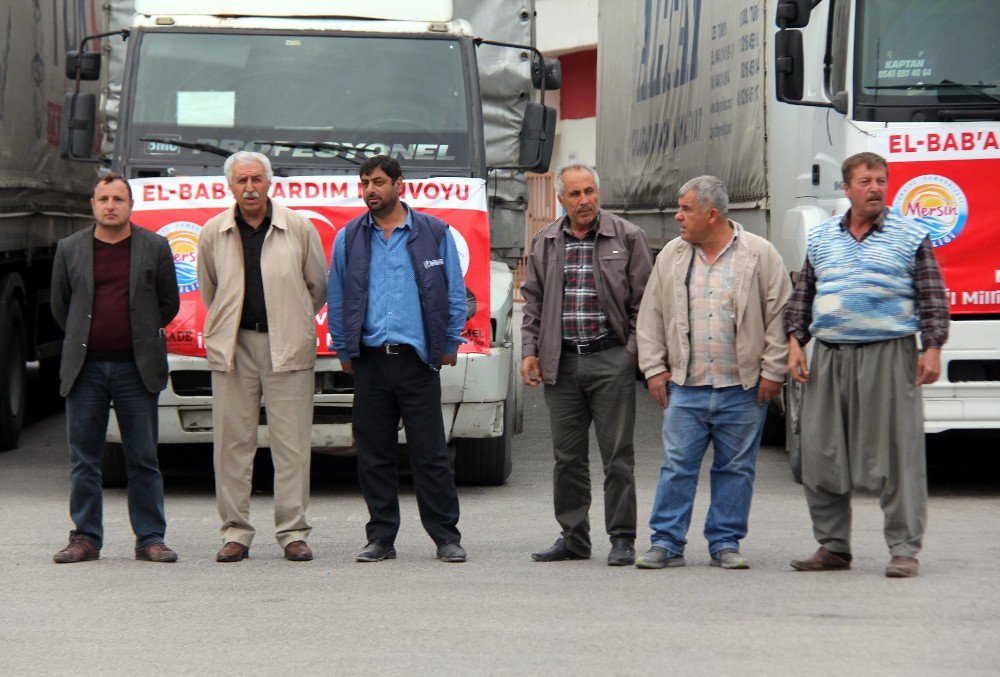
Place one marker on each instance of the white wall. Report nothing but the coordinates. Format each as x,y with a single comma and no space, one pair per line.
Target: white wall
565,25
575,142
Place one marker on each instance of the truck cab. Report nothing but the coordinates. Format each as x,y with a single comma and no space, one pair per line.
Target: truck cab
318,90
909,80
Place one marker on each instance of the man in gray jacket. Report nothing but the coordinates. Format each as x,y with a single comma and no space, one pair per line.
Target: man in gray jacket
713,350
585,278
114,289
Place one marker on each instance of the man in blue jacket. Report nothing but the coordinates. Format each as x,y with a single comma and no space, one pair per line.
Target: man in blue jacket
396,302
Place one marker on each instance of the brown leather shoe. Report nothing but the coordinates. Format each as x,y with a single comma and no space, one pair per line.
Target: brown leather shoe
156,552
823,560
232,552
79,549
298,551
902,567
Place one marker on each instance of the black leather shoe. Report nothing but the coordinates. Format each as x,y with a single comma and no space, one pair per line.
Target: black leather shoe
376,551
452,551
557,553
622,552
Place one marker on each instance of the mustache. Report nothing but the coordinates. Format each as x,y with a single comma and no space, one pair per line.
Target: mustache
251,194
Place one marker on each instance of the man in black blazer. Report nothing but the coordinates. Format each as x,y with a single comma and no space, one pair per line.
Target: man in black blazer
114,290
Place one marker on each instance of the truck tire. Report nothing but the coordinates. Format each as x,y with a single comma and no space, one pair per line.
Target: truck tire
487,461
13,377
113,473
793,442
773,434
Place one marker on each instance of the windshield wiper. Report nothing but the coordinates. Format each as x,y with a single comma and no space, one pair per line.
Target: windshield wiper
976,88
317,145
203,147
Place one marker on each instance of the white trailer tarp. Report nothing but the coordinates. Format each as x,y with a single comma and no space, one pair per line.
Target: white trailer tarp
34,39
681,85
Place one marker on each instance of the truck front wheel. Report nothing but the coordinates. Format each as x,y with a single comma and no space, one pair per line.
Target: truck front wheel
13,353
793,441
487,461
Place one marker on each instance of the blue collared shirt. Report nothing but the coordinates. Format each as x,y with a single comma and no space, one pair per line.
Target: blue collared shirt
393,313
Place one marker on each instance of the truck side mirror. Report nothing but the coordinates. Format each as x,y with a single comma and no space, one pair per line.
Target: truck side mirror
87,63
553,73
538,136
793,13
788,57
840,102
76,130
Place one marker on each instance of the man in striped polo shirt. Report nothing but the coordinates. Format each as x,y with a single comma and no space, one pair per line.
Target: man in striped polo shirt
870,282
714,353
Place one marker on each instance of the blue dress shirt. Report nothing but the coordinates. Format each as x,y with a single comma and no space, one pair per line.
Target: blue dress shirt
393,314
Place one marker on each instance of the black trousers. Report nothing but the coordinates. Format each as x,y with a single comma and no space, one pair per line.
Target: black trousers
387,388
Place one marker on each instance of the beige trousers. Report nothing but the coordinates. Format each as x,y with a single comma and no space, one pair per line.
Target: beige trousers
288,399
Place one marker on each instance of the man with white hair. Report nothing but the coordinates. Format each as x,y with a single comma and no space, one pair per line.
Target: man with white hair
585,276
262,275
713,350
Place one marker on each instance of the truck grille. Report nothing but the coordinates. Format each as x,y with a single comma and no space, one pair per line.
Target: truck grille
965,371
197,383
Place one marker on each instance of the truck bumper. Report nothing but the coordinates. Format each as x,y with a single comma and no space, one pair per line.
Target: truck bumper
472,394
967,396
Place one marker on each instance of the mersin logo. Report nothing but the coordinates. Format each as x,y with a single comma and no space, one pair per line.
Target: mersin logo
935,202
183,237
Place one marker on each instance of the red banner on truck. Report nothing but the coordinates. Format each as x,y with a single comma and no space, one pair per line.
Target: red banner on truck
177,208
944,176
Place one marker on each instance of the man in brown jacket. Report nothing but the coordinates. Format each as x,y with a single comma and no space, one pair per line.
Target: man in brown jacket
262,275
585,278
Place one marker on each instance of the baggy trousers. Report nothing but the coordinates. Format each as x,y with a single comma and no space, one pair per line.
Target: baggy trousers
599,389
288,400
863,427
387,388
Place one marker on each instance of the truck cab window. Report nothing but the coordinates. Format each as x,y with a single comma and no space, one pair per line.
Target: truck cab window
379,92
905,65
838,47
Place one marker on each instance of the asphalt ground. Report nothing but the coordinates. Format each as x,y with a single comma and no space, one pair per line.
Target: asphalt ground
500,613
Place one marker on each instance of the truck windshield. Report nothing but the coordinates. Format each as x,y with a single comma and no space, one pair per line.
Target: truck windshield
926,53
400,96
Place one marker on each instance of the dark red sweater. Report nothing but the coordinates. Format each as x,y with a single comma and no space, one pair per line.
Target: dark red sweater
110,326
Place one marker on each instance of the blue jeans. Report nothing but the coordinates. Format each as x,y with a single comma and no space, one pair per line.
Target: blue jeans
88,404
733,421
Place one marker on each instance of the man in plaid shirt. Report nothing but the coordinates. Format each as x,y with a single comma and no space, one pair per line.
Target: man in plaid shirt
870,283
714,354
585,276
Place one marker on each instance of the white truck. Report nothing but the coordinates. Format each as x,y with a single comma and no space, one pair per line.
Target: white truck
319,87
689,87
42,197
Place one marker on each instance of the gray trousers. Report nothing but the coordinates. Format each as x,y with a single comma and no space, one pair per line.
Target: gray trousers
863,427
598,388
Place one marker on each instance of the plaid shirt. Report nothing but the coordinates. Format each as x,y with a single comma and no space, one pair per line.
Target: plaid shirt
711,319
582,317
932,299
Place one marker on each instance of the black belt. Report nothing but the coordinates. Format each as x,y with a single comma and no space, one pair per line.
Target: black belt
392,348
590,347
838,346
259,327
